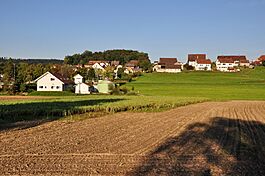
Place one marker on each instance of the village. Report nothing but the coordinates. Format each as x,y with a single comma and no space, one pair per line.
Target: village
106,75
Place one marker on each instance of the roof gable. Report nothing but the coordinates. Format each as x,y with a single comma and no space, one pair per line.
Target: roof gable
194,57
61,78
203,61
261,58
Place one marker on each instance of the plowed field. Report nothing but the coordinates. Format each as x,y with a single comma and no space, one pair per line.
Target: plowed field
212,138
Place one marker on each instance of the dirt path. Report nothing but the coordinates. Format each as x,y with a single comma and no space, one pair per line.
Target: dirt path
208,138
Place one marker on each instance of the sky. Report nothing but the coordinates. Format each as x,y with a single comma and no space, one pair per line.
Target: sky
162,28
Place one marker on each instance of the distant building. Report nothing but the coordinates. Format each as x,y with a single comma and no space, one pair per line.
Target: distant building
169,65
199,62
193,57
203,65
53,82
132,64
260,60
81,87
231,63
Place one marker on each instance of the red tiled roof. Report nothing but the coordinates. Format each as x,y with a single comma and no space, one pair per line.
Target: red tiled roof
234,58
244,61
261,58
225,60
204,61
168,61
194,57
62,78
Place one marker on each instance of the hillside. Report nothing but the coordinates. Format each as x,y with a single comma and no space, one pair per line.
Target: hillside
248,84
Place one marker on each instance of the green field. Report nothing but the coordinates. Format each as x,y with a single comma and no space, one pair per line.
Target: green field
57,107
157,91
245,85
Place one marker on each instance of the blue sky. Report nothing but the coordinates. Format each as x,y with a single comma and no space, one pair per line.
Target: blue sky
162,28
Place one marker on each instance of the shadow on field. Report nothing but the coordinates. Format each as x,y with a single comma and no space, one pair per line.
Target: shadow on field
223,147
27,115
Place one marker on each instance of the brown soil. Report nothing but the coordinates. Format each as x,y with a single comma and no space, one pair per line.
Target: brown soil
212,138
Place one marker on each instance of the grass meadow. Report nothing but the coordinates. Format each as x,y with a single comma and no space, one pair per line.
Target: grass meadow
157,91
249,84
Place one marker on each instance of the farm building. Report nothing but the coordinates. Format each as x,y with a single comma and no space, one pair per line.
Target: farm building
132,64
193,57
229,63
199,62
169,65
81,87
203,64
53,82
260,60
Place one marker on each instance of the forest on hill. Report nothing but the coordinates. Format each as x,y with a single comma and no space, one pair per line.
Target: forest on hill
121,55
32,61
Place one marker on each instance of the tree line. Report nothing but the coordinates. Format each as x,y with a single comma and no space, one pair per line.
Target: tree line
123,56
32,61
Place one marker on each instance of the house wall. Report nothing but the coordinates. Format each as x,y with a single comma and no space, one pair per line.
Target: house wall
192,63
203,67
49,83
78,79
82,89
224,66
168,70
244,64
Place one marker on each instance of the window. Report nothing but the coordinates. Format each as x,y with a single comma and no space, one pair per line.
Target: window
57,87
51,87
41,87
52,79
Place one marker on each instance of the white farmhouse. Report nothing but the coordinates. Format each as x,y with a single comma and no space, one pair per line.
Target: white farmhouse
226,65
192,58
53,82
203,65
230,63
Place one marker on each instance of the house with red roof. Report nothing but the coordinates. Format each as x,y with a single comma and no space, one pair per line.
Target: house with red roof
231,63
203,65
169,65
260,60
193,57
199,62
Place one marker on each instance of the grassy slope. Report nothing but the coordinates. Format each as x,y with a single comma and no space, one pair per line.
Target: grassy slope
245,85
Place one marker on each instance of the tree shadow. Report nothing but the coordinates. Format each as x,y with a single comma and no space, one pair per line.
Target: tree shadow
26,115
224,146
